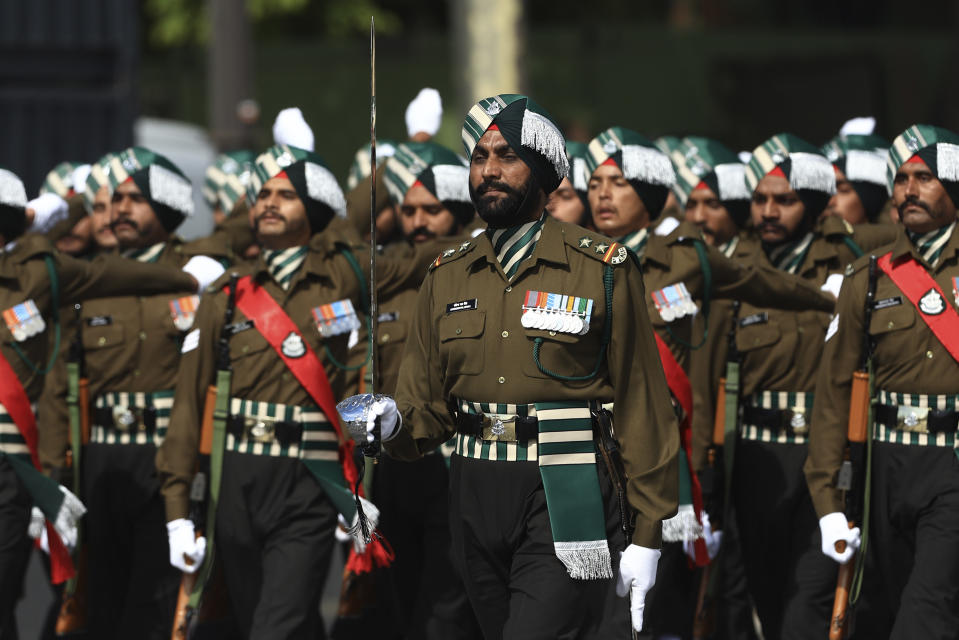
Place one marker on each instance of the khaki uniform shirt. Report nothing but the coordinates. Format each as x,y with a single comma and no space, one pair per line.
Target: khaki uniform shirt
484,354
908,358
258,371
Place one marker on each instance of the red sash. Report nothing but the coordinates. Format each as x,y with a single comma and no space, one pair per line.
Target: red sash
274,325
916,283
679,386
14,399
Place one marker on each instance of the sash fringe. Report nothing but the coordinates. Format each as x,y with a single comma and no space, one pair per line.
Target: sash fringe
585,560
682,526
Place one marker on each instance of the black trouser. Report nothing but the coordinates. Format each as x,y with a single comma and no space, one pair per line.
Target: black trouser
671,603
429,598
791,581
274,538
15,504
911,583
734,609
131,587
502,545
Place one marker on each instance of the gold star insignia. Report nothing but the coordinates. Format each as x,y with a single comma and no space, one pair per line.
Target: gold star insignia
448,253
601,248
464,246
585,241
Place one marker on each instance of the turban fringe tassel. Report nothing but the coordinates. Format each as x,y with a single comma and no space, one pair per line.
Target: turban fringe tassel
542,136
811,171
647,164
947,161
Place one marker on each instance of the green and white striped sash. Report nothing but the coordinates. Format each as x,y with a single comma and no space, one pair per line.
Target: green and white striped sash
514,244
882,433
475,447
146,254
11,442
930,245
284,263
118,400
788,400
789,256
317,443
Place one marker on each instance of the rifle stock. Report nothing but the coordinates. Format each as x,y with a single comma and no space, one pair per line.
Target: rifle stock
72,617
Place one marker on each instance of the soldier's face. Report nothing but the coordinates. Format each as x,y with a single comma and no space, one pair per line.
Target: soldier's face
920,198
706,211
565,205
845,203
617,208
776,210
132,219
103,235
500,184
279,217
78,240
422,216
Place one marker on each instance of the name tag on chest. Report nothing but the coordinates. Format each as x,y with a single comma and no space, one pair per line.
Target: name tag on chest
462,305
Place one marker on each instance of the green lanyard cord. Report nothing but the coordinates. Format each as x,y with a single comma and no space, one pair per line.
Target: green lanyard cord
607,333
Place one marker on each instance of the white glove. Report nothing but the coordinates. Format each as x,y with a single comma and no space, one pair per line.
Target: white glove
205,270
49,209
424,113
342,530
637,575
713,540
37,521
834,527
290,128
186,550
833,284
385,409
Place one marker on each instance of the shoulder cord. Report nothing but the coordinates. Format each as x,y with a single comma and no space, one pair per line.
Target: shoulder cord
55,299
607,333
855,248
364,307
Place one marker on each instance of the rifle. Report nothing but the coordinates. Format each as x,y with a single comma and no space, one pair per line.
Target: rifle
613,459
192,584
72,617
852,473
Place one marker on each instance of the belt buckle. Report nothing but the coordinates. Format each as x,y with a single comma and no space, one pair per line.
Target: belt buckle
794,420
499,428
261,430
914,419
125,418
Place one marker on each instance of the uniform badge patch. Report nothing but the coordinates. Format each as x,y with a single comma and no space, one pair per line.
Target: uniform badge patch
336,318
462,305
610,147
24,320
183,311
931,303
493,109
556,312
674,302
293,346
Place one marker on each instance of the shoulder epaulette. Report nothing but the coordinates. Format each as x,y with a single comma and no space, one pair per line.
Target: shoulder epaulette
453,253
599,248
220,283
861,263
836,226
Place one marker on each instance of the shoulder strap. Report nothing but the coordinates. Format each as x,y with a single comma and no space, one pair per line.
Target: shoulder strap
924,293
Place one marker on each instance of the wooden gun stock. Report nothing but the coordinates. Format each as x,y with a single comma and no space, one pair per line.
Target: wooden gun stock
181,615
840,605
859,407
72,617
719,417
206,427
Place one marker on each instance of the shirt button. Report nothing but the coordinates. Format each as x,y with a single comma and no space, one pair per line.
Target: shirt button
136,373
385,337
102,341
143,335
929,354
890,325
245,348
505,334
458,331
552,333
509,288
501,380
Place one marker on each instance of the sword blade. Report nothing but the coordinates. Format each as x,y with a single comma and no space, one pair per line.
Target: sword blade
373,310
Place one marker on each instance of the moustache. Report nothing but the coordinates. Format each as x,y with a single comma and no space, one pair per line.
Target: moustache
114,224
268,213
773,226
913,201
706,231
421,231
485,187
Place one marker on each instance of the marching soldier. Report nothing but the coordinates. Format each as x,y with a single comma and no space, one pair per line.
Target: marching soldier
628,189
791,183
514,347
35,281
860,165
285,339
913,560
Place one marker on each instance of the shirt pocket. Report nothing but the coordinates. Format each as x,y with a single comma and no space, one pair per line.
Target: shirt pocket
247,343
892,319
757,336
461,342
565,355
102,337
